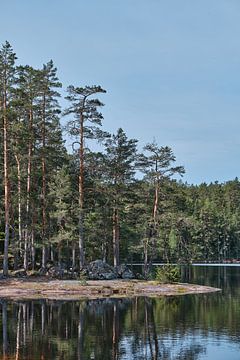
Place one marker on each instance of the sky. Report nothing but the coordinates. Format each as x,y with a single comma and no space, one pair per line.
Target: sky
171,69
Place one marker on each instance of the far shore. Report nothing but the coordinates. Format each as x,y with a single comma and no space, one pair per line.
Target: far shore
43,288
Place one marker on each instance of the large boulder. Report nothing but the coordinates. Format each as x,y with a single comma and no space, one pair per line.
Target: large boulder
100,270
124,272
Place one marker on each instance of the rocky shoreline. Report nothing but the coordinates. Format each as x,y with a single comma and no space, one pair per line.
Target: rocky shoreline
95,270
39,288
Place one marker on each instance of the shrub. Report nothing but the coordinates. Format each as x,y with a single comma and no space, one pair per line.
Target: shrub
83,279
168,274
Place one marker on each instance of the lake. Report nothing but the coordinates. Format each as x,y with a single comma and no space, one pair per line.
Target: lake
187,327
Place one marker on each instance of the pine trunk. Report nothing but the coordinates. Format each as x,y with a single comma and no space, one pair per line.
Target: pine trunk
146,241
115,237
155,206
156,196
44,184
6,184
29,169
19,208
81,196
73,257
152,231
33,248
44,257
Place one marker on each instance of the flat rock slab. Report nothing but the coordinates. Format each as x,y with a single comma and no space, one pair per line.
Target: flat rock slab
74,289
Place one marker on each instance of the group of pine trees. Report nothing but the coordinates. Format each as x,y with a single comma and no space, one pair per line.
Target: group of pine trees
73,208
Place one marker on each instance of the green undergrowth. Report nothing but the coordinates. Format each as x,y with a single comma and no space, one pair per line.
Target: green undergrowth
168,274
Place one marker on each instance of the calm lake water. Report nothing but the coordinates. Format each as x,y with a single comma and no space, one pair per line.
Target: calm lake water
182,328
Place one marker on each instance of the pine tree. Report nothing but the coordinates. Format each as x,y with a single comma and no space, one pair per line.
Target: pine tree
84,125
120,169
158,166
50,141
27,97
7,81
62,211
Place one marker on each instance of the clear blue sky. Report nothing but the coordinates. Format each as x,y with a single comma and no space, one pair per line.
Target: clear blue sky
171,69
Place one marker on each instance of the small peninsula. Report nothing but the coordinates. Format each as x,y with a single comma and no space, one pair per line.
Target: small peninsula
38,288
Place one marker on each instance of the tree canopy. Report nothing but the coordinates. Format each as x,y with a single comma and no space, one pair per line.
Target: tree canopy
120,204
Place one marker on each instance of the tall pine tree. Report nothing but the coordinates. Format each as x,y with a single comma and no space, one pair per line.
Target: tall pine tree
7,81
84,125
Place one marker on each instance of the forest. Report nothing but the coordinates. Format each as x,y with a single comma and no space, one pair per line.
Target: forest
72,205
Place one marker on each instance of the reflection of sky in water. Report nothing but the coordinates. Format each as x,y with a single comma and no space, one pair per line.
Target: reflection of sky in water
186,347
220,350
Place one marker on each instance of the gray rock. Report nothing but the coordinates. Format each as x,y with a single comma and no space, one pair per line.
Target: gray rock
124,272
128,274
109,276
139,276
42,271
55,272
99,270
19,273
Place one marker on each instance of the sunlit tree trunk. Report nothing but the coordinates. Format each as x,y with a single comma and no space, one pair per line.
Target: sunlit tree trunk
44,184
145,250
152,229
33,251
73,257
6,182
115,237
81,195
29,173
19,206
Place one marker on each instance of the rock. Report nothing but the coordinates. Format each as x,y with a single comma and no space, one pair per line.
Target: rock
42,271
128,274
109,276
124,272
139,276
55,272
99,270
19,273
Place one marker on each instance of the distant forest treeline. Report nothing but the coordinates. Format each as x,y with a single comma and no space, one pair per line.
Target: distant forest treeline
73,208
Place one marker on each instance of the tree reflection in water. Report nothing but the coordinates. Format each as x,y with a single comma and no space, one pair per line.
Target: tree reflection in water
96,329
116,329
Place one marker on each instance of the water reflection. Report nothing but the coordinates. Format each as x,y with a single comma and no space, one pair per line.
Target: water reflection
184,327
